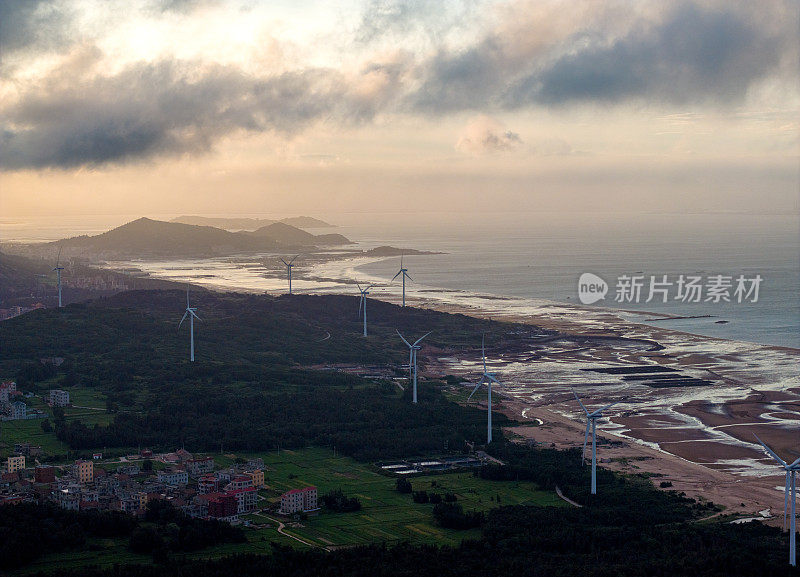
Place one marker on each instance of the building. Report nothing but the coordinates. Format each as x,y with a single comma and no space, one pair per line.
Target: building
207,484
239,482
223,506
19,410
44,475
257,477
68,497
173,477
15,463
199,467
59,398
298,500
84,470
246,499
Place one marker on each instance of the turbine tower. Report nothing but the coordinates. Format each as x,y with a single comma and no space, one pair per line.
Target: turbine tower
289,266
488,379
363,303
591,422
192,314
58,268
403,273
790,494
412,360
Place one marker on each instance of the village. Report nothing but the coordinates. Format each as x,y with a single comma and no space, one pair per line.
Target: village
193,484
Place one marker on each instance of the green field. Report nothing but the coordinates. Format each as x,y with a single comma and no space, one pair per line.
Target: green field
30,430
386,515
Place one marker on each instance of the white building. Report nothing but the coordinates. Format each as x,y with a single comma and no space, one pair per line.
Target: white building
298,500
19,410
59,398
173,477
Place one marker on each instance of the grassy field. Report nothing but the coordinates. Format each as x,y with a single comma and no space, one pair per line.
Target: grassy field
386,515
93,411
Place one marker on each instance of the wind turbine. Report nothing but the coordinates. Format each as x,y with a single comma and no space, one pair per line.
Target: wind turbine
289,266
403,273
192,314
412,359
58,268
788,495
591,421
363,303
487,378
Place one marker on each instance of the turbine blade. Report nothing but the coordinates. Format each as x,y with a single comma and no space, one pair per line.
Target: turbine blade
58,259
483,351
284,262
360,303
408,276
359,287
369,287
401,260
194,314
183,319
794,463
478,386
397,275
402,337
774,456
291,261
579,401
599,411
491,378
422,337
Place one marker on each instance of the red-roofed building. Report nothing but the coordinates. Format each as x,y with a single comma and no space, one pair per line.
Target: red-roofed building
223,506
298,500
44,474
239,482
207,484
246,499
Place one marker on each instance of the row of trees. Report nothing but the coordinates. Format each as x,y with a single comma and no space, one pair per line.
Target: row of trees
28,531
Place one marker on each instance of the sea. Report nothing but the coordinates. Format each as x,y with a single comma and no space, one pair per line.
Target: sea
745,268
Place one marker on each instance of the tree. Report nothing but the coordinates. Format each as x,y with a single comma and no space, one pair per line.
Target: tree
403,485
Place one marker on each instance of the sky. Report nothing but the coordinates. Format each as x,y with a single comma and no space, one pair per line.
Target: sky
293,107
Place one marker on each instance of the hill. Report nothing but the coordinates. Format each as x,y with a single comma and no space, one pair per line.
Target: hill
287,234
147,238
234,224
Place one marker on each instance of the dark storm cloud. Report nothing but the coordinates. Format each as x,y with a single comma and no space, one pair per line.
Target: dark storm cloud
694,54
161,109
31,24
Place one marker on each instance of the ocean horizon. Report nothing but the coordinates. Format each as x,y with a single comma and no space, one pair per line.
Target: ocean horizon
534,256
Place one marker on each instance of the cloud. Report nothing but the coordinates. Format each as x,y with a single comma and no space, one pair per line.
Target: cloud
165,108
688,53
485,135
29,24
87,111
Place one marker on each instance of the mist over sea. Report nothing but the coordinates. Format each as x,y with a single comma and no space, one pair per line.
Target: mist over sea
541,256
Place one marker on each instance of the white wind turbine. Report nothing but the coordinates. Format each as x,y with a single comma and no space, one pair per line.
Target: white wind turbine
58,268
362,303
788,495
403,273
412,360
289,266
488,379
192,314
591,421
